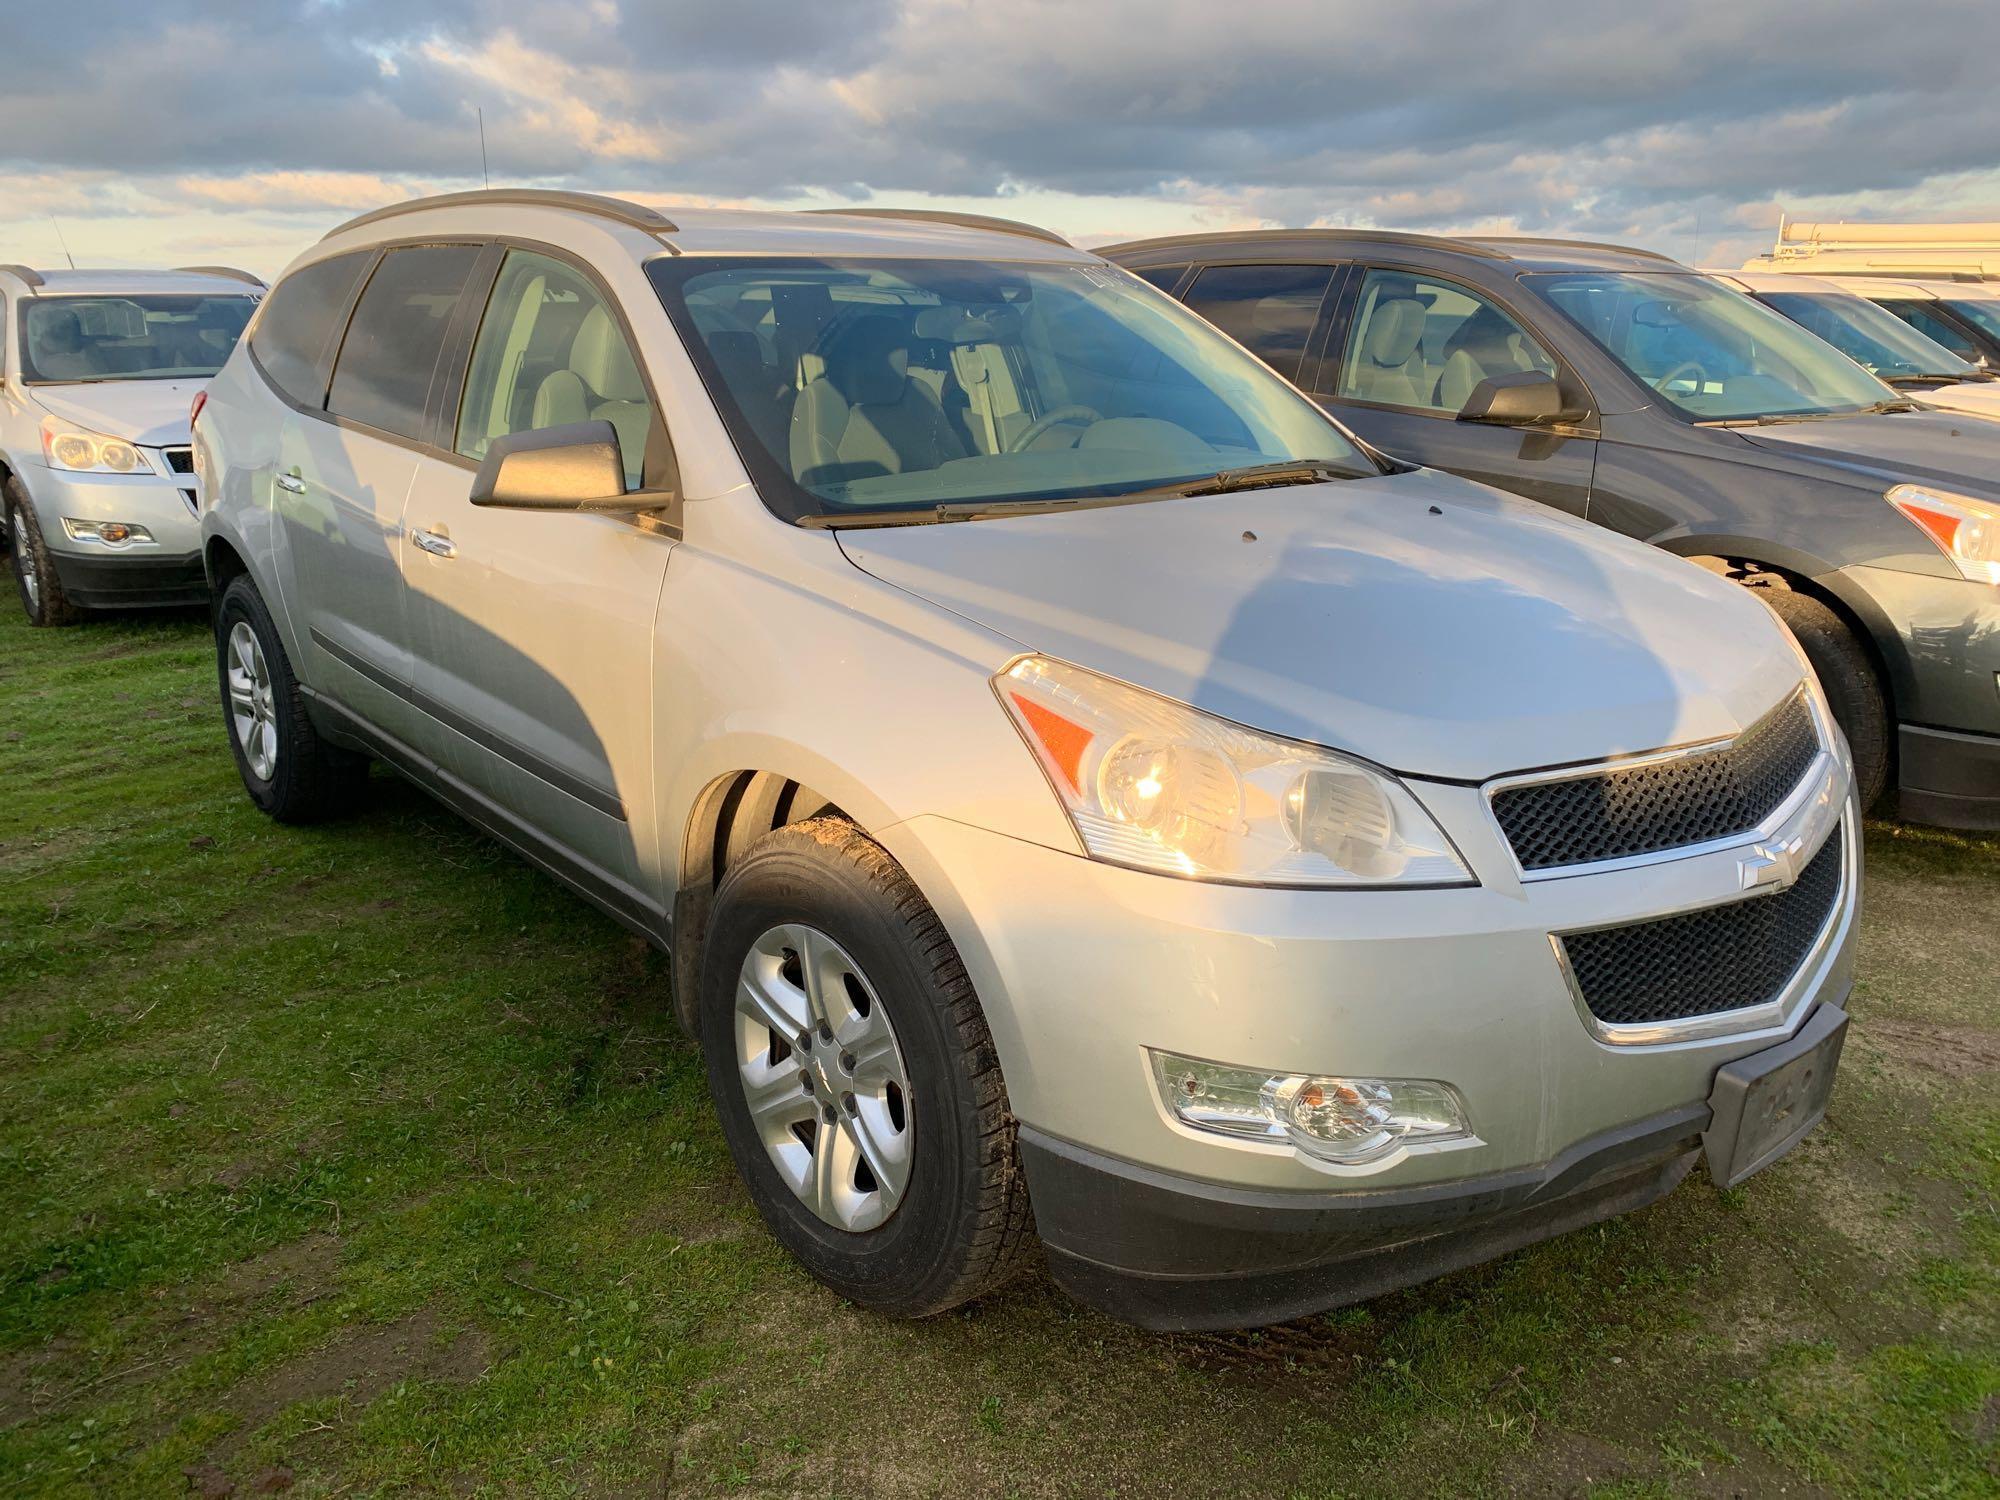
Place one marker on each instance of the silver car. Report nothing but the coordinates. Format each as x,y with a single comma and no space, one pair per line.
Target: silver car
1067,769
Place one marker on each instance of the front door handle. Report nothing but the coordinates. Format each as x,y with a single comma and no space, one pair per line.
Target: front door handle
291,482
435,542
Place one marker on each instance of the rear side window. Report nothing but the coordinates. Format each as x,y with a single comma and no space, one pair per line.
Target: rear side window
1269,310
383,375
292,336
1166,278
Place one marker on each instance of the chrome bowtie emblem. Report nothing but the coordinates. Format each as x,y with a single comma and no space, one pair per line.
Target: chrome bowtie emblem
1770,867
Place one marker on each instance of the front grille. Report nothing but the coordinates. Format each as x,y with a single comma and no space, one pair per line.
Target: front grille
1717,959
1663,804
180,460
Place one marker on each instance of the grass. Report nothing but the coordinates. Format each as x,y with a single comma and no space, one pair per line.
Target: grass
364,1160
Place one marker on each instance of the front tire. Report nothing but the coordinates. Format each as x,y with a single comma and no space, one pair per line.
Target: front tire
1853,687
290,772
35,580
855,1077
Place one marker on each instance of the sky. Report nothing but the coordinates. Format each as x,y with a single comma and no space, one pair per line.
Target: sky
172,132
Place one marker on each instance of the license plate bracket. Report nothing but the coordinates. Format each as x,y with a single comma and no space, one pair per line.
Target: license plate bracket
1764,1104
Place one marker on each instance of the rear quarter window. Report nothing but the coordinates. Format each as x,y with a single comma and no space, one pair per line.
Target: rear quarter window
291,338
382,376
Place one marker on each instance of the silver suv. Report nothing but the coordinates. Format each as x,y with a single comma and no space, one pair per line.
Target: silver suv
1065,766
98,369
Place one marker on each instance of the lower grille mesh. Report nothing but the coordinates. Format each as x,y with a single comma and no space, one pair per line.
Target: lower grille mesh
1721,958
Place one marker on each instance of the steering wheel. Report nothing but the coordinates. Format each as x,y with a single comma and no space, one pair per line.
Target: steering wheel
1685,367
1050,419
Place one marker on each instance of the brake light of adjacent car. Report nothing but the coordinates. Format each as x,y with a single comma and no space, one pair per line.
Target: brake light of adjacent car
1157,785
82,451
194,407
1966,530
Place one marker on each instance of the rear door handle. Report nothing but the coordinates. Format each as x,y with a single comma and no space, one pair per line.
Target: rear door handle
435,542
291,483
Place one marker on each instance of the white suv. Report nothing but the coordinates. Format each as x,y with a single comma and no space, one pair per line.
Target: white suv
97,371
1064,764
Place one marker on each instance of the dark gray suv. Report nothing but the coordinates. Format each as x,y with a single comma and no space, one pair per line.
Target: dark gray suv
1626,388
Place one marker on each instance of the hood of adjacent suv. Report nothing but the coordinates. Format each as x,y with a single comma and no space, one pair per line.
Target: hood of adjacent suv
1947,448
151,413
1423,622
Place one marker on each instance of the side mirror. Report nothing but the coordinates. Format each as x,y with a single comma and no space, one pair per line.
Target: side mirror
1517,400
573,467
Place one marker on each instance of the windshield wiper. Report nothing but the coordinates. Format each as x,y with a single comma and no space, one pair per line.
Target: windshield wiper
1227,481
1896,405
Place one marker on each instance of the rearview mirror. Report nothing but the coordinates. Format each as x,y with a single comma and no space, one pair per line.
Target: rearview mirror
573,467
1514,400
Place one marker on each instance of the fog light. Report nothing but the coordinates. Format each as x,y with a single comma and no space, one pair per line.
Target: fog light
1352,1121
111,533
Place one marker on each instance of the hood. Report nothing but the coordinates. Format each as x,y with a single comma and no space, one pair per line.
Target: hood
151,413
1894,447
1979,398
1420,621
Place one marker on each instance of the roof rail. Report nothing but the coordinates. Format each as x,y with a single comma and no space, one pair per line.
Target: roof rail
1535,239
32,277
637,215
229,271
1323,231
946,216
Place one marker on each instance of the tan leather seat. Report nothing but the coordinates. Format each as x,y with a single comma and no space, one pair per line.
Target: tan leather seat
1391,368
863,415
601,383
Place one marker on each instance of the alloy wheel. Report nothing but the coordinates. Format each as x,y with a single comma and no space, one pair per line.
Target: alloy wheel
824,1079
252,708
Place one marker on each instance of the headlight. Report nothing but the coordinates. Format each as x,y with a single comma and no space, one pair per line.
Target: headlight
1157,785
86,452
1352,1121
1967,530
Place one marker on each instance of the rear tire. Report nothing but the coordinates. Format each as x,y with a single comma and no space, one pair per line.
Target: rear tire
1847,674
290,772
960,1224
41,591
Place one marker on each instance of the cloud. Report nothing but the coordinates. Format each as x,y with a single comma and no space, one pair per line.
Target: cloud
1621,123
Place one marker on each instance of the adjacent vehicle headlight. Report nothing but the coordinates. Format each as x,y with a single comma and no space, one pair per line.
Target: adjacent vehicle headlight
1351,1121
1157,785
1966,529
86,452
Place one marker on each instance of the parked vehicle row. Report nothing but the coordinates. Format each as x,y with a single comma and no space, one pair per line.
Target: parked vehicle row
97,371
1658,402
1086,791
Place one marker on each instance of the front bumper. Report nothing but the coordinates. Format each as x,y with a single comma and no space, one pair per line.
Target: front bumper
1176,1254
167,571
1082,966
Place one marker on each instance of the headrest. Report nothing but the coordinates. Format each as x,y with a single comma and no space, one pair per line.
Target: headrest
600,356
869,362
1395,329
1486,332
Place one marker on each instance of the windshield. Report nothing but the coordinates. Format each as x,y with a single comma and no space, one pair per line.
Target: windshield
1982,312
854,385
1877,340
1708,349
71,339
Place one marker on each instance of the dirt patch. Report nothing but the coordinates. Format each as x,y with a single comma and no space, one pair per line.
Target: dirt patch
357,1366
1278,1356
40,1382
1954,1051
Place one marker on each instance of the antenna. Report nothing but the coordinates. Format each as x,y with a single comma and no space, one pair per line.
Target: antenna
63,242
483,172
